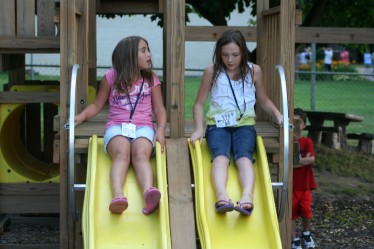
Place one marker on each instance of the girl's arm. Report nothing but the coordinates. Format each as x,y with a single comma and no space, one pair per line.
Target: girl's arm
198,109
262,98
94,108
160,113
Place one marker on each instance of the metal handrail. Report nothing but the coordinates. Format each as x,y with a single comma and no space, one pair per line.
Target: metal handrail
70,126
286,127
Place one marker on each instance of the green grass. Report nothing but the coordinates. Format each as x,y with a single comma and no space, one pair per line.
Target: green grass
4,79
345,163
354,97
192,85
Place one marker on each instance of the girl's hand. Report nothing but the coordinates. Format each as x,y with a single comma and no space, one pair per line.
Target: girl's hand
160,137
77,120
280,120
196,135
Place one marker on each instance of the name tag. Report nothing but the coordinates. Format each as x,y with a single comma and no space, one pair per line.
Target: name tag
128,130
225,119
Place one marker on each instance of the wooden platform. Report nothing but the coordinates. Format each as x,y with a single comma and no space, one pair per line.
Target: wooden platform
268,131
29,198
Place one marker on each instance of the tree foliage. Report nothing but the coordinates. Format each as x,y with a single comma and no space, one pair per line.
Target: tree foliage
338,13
218,11
316,13
343,14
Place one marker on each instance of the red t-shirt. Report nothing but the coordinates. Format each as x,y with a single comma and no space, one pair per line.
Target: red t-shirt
303,177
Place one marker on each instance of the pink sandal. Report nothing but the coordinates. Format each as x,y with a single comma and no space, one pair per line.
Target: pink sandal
118,205
152,199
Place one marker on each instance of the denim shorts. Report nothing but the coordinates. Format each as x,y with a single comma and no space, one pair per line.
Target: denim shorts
116,130
240,141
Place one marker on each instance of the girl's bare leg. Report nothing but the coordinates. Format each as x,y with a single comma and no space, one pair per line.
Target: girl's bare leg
141,151
247,179
119,151
219,174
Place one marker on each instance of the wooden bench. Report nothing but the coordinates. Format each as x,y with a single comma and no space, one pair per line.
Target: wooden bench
365,141
328,136
335,135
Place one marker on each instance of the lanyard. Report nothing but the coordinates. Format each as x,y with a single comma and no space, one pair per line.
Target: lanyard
236,101
136,102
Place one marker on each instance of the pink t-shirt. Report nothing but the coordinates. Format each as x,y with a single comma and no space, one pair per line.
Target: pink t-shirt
121,105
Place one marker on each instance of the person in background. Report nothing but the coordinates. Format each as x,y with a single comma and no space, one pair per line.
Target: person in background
235,86
344,56
303,184
328,58
367,59
305,56
133,92
303,60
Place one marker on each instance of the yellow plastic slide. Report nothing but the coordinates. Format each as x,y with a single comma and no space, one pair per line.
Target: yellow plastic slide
232,229
132,229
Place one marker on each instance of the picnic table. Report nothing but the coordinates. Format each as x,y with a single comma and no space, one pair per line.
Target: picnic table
334,136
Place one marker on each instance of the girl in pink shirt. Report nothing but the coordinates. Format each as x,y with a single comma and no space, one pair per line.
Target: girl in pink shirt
134,93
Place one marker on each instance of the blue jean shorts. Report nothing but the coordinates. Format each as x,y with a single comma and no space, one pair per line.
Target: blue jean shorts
240,141
116,130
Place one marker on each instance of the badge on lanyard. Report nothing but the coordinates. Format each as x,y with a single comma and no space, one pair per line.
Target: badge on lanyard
225,119
128,130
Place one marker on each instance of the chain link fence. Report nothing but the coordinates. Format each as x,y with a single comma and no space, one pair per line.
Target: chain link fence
347,92
338,92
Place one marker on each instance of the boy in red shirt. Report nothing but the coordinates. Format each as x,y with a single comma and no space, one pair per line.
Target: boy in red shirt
303,184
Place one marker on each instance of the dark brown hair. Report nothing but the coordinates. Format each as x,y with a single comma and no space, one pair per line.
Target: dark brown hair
125,62
231,36
299,112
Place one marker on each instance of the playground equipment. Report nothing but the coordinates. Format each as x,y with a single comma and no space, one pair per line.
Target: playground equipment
100,227
17,164
79,19
259,230
132,229
276,34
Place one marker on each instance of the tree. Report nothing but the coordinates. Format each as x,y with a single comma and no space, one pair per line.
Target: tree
338,13
217,11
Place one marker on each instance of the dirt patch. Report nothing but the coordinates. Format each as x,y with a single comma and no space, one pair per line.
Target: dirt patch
343,209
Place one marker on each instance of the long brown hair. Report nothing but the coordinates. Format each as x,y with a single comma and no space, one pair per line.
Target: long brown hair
231,36
125,62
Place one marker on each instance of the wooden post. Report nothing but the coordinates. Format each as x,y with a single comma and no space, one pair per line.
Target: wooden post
67,16
286,59
174,18
275,46
182,222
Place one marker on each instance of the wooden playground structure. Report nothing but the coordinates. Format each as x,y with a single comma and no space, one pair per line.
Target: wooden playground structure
75,41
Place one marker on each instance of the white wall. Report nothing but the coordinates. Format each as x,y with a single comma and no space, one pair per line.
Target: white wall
111,31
